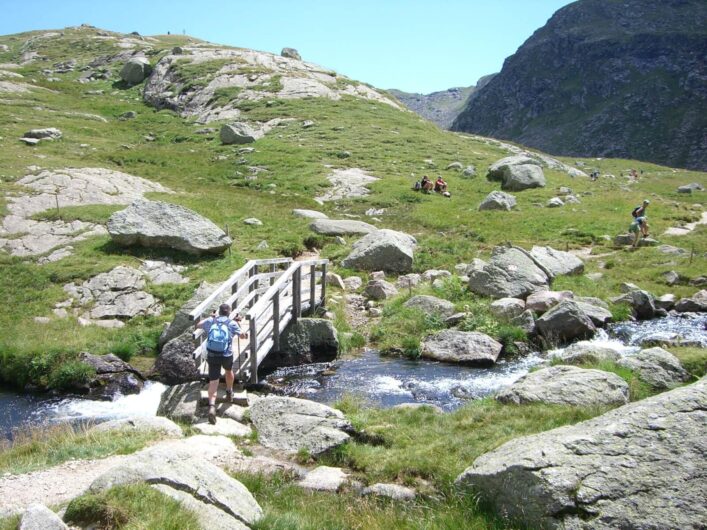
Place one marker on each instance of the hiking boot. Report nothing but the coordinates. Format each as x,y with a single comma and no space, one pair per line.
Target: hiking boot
212,414
229,396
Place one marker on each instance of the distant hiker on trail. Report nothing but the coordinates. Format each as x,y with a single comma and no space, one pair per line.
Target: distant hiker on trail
220,331
440,185
427,184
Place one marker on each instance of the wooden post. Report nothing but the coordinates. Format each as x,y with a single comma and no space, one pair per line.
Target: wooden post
276,321
253,286
312,288
273,268
234,289
297,294
253,351
323,302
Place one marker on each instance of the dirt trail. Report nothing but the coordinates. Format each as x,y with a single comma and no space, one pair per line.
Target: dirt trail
683,230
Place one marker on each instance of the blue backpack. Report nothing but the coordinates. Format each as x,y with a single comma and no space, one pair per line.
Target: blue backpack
219,337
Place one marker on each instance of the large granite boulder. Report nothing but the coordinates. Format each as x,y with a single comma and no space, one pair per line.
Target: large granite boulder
385,250
291,424
498,200
156,224
565,322
309,214
239,133
135,70
638,466
464,347
657,367
176,364
522,177
308,340
497,170
557,262
291,53
48,133
431,305
567,385
511,272
341,227
598,314
218,500
181,322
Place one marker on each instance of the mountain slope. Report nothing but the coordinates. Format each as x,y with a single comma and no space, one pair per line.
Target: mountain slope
439,107
615,78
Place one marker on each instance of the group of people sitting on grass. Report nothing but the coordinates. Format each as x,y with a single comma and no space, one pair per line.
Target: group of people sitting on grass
427,186
639,225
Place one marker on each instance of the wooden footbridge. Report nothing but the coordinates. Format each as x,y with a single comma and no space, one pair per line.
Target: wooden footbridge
272,293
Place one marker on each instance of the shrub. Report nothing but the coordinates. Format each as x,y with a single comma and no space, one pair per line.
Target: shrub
620,312
70,374
508,335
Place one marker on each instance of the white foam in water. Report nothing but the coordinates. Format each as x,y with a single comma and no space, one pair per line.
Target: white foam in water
75,409
384,384
601,339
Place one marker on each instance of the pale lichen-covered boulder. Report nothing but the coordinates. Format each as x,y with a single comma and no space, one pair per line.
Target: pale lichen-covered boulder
240,133
567,385
39,517
517,172
156,224
464,347
431,305
587,352
309,214
292,424
638,466
657,367
386,250
141,424
696,303
507,308
541,301
380,290
510,272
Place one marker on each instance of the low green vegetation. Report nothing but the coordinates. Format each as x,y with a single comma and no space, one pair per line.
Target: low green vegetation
693,359
131,507
40,448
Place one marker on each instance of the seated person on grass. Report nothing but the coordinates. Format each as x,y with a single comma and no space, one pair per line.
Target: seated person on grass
440,185
427,184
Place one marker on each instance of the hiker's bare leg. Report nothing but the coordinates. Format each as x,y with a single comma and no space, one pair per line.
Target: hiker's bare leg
230,377
637,239
213,388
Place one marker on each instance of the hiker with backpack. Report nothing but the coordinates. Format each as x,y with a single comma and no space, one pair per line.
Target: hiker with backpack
639,226
220,331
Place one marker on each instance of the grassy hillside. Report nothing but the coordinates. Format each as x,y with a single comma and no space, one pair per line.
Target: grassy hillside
394,145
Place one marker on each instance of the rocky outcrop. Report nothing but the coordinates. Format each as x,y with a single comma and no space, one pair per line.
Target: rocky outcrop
141,424
156,224
565,322
386,250
181,402
567,385
657,367
464,347
333,227
438,107
431,305
582,103
498,200
116,294
292,424
511,272
634,467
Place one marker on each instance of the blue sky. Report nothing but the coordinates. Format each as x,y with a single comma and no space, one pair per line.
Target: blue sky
414,45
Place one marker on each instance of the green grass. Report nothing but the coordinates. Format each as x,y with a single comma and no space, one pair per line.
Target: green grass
390,144
34,449
637,388
131,507
93,213
693,359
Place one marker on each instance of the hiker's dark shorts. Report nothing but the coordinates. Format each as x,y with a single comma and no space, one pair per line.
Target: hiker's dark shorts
216,362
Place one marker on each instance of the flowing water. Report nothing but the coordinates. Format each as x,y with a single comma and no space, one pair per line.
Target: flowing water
383,381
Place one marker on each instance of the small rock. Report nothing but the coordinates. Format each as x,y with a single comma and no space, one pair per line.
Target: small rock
455,165
392,491
555,202
253,221
291,53
263,245
324,478
39,517
335,280
380,290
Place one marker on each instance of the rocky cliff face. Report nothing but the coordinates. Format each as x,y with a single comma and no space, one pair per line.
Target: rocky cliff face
614,78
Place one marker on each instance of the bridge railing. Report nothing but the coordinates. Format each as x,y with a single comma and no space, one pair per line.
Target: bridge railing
272,297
